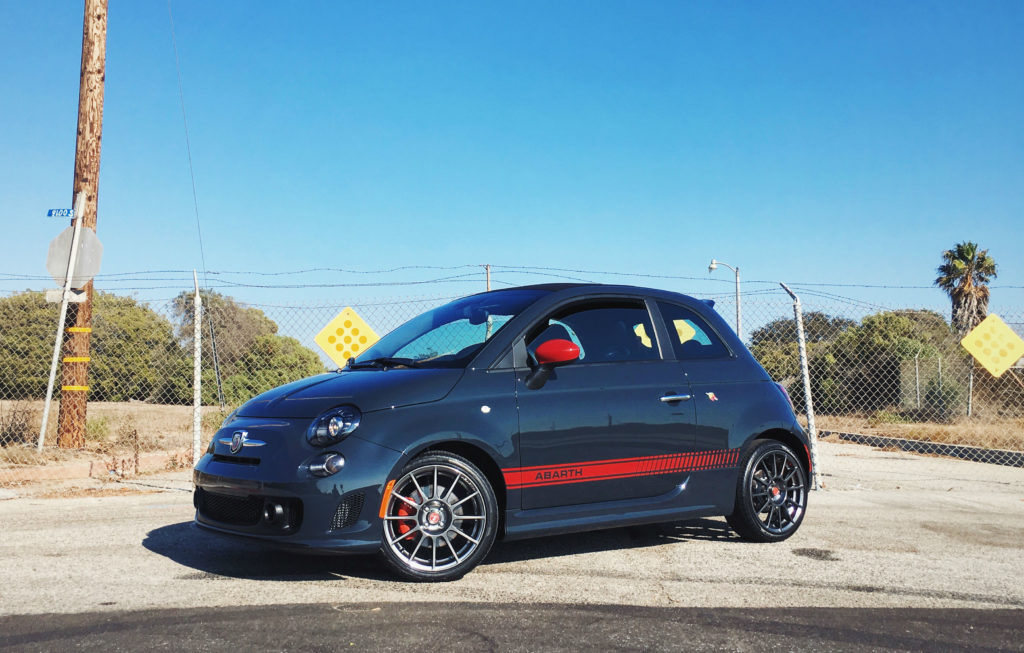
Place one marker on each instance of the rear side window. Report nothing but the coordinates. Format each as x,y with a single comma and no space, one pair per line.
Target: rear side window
605,333
692,338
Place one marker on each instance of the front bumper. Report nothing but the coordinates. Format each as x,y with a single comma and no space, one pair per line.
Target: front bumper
266,492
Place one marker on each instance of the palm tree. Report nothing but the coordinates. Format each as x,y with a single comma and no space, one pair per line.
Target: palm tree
964,273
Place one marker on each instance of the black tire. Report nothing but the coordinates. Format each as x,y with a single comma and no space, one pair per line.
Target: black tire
771,493
441,519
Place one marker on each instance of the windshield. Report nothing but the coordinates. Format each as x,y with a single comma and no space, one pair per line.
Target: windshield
450,335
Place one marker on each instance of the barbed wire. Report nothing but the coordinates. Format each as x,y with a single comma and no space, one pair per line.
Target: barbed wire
553,272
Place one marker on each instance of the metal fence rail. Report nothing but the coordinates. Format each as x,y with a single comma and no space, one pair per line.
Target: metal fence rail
874,372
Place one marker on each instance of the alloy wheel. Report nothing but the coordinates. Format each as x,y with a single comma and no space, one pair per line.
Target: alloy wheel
778,491
436,518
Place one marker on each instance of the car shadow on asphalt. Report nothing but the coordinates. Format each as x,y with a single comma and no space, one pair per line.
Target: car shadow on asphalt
633,537
214,556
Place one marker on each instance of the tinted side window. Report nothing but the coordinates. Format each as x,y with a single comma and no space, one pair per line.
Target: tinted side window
605,333
691,336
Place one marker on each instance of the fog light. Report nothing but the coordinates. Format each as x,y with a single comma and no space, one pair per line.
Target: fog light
272,512
327,464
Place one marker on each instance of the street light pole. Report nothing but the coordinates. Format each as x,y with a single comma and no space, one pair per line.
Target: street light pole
739,312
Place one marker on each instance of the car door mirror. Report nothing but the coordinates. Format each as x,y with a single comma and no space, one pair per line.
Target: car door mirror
557,352
549,355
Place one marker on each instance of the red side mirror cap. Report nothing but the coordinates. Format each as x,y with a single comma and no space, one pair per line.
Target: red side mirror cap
557,351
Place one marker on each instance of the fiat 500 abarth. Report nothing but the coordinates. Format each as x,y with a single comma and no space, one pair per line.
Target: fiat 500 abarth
514,413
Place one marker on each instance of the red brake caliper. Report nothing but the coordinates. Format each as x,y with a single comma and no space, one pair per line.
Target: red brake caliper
405,510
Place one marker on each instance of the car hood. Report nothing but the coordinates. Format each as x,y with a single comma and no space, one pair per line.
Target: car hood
368,390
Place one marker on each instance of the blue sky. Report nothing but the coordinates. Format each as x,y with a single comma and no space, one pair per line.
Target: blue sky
838,142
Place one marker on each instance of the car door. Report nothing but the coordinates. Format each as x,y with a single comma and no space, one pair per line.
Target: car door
716,379
612,425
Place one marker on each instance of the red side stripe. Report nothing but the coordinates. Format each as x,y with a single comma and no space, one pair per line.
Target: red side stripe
600,470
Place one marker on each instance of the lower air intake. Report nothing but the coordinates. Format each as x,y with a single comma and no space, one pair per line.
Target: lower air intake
348,511
239,511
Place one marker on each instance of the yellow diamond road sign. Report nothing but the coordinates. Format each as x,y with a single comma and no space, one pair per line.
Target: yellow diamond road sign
994,345
346,336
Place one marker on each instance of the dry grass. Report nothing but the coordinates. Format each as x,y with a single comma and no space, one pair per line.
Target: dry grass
112,428
991,433
127,428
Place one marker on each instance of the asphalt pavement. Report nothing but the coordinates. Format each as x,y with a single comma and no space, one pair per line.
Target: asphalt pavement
897,551
515,627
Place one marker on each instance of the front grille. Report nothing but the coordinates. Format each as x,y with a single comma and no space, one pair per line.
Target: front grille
252,514
348,511
227,509
236,460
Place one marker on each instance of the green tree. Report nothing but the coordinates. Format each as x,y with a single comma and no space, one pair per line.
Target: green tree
775,345
137,356
235,326
133,350
964,275
861,370
271,361
27,325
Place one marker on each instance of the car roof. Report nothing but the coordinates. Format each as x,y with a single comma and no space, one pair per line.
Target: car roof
598,288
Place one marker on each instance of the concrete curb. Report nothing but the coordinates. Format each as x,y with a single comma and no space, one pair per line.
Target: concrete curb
961,451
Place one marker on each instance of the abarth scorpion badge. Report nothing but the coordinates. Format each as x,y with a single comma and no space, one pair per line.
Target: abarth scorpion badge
238,440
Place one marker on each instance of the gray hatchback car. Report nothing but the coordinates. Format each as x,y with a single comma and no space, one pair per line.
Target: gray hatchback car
511,414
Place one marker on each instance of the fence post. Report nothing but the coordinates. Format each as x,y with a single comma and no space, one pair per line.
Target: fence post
812,432
970,390
197,375
917,377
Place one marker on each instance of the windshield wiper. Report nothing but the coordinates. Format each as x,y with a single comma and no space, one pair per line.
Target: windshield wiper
383,363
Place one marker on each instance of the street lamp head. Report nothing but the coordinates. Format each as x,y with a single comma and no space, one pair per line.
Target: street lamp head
713,266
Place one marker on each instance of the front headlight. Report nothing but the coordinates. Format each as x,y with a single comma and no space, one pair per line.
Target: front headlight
333,425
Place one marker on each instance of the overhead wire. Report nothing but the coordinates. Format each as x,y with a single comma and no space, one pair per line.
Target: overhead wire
188,143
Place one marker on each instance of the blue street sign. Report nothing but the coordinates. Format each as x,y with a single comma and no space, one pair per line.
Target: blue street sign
60,213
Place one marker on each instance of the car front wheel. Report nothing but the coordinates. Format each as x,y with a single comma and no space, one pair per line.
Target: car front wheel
771,495
440,519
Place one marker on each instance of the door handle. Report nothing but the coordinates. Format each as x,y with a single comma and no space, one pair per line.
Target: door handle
669,399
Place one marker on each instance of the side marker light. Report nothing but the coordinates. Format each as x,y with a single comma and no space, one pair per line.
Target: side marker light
385,497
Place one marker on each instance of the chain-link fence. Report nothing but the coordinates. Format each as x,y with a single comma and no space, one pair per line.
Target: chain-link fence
890,377
140,392
893,377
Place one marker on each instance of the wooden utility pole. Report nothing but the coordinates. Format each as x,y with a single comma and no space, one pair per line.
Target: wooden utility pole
75,360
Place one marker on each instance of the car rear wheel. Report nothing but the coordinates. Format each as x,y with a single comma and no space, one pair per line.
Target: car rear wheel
771,495
440,519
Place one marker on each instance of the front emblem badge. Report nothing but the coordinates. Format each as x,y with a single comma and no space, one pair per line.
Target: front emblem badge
238,440
711,396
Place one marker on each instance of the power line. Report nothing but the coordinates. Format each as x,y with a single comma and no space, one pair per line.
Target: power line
188,142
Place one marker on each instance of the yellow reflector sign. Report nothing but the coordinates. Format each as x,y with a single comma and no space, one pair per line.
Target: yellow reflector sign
345,337
994,345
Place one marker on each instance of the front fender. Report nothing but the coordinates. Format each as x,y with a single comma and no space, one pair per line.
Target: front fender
480,411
